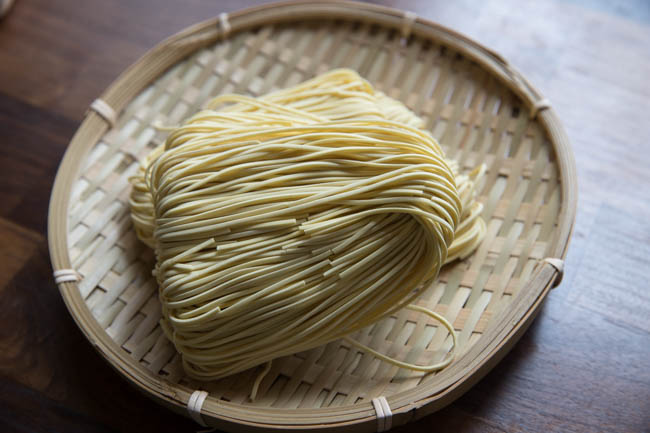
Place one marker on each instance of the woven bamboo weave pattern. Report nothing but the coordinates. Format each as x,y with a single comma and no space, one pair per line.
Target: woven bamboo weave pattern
475,117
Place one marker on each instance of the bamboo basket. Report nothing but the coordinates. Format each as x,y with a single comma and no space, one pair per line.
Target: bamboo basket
478,107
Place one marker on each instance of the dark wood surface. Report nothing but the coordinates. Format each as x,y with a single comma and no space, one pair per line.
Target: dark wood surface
584,365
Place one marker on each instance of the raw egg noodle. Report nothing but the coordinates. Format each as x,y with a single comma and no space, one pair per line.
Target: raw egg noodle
284,222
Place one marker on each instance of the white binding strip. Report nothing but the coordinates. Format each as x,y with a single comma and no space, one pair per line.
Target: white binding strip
384,414
66,275
100,107
538,106
558,264
407,23
224,24
194,405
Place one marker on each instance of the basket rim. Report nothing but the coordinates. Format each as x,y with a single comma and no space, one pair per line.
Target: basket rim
407,405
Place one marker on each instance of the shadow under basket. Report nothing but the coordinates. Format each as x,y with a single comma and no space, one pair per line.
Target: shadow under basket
477,106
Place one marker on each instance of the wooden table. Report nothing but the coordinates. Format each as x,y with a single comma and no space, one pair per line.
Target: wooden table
584,365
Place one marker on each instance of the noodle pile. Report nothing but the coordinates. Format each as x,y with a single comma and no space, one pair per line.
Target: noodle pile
283,222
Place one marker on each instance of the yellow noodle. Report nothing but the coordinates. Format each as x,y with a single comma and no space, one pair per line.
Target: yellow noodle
283,222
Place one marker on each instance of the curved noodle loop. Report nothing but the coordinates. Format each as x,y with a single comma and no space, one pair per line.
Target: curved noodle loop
284,222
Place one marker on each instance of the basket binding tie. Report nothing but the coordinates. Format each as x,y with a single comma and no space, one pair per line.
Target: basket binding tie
194,405
224,24
539,105
407,23
66,275
558,264
105,111
384,414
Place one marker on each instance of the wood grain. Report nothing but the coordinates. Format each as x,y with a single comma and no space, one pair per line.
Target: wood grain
584,364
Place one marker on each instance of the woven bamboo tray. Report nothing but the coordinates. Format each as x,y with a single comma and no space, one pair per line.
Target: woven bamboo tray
474,102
